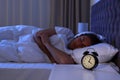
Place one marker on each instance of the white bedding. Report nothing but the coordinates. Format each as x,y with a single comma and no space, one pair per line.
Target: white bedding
17,44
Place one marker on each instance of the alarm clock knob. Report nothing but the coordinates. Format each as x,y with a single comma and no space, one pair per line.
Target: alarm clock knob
85,53
94,53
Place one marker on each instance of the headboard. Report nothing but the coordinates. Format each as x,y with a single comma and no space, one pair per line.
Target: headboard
105,20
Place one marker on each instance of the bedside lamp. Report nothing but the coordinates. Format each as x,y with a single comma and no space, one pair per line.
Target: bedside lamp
82,27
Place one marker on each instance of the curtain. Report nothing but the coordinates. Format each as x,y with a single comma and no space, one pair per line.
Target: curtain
68,13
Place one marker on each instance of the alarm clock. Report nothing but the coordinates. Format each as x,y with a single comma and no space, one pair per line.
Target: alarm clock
89,60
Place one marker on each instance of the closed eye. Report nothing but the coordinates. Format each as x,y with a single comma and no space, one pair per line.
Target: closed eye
83,41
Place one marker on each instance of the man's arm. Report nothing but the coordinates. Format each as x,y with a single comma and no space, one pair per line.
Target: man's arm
58,55
37,39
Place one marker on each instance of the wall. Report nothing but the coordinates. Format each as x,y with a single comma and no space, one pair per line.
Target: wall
28,12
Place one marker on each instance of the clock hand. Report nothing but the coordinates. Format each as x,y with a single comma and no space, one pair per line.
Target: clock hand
89,60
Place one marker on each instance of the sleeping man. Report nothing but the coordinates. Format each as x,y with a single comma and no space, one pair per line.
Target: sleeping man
60,56
30,44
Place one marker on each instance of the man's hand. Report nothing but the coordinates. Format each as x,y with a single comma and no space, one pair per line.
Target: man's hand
41,38
45,34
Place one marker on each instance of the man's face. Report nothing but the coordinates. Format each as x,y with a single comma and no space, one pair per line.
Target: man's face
80,42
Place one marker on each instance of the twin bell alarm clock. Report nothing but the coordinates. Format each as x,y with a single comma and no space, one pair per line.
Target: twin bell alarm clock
89,60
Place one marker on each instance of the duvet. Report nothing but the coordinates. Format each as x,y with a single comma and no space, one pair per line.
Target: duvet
17,44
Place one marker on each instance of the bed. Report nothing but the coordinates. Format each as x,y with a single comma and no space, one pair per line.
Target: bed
104,20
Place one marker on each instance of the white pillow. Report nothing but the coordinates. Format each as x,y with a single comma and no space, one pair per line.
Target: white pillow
105,52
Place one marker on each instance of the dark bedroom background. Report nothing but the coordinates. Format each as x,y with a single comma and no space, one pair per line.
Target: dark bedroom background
44,13
69,12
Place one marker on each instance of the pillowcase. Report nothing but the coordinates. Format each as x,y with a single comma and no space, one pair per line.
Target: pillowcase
105,52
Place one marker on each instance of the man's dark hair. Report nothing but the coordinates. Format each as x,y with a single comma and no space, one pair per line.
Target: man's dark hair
94,38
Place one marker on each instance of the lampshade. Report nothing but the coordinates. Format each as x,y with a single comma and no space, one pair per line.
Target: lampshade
82,27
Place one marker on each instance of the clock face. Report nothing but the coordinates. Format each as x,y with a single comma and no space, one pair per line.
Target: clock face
89,61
